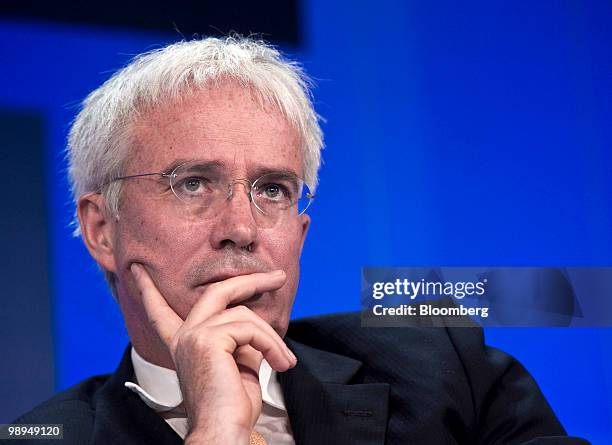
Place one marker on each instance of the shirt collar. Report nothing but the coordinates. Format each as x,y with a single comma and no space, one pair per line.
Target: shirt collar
159,388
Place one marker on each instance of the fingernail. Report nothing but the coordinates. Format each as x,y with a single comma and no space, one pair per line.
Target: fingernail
135,268
278,273
292,356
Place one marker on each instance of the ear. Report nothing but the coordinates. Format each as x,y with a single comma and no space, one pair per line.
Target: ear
305,224
97,229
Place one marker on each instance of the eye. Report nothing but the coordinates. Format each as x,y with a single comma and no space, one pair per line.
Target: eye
273,191
194,186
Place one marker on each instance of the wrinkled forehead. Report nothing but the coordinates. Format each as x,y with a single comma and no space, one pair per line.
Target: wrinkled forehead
228,124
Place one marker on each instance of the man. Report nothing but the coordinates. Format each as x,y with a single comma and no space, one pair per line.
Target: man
192,169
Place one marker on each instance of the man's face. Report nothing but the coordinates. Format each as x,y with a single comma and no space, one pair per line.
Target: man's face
226,126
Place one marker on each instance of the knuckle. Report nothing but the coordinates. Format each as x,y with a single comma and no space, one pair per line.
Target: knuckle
215,287
212,287
196,342
242,310
190,340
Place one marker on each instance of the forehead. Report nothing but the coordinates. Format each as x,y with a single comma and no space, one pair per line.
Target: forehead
227,124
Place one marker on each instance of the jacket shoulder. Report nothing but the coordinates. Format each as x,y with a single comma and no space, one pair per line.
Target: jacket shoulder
489,390
344,329
72,408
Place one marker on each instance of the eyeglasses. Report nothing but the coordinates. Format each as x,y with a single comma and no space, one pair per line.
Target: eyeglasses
202,188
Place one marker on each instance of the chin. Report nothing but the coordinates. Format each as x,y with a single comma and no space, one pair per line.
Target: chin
271,315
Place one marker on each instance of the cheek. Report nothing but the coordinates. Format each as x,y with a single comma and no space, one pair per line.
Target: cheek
163,243
166,248
283,248
282,244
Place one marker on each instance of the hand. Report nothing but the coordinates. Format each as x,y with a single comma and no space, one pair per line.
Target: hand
217,353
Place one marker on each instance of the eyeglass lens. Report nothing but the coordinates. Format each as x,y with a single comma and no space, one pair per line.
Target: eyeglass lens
204,190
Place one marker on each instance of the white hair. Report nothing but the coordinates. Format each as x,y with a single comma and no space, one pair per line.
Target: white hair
99,139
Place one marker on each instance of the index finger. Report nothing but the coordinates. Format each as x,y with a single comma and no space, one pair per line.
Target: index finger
161,316
220,295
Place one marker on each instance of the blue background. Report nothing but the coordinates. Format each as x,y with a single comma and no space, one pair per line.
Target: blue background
458,134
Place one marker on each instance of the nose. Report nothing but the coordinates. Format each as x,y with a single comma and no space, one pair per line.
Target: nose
245,183
236,225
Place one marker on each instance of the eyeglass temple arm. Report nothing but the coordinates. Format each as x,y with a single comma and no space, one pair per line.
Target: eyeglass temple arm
163,175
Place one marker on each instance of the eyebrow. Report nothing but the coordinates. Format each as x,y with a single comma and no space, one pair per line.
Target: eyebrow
258,172
197,163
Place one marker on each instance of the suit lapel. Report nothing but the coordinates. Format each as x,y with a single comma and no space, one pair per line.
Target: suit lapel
324,409
121,417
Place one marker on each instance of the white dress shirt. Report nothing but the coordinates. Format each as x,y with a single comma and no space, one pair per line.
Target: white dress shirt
159,388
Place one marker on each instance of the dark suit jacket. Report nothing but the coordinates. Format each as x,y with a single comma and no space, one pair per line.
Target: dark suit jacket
351,385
